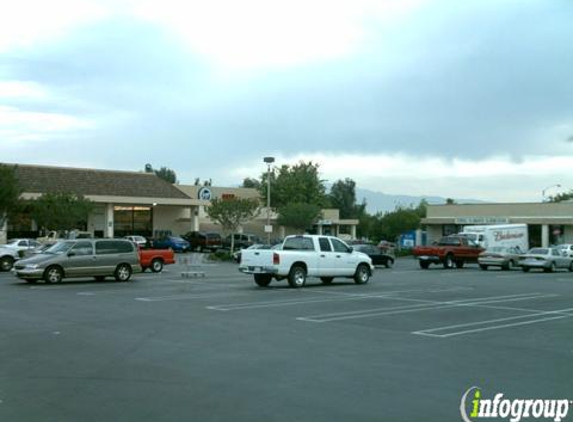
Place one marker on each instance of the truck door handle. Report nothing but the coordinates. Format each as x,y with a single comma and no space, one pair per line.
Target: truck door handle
323,256
257,253
338,256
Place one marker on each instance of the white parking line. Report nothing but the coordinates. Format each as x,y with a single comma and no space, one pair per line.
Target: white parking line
431,332
186,297
341,297
423,306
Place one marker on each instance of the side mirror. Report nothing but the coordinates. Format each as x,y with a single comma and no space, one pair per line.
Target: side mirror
71,253
350,249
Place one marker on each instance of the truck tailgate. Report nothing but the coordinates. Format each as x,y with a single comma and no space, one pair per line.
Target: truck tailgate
256,257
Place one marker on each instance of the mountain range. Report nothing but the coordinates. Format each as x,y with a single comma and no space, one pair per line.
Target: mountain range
383,202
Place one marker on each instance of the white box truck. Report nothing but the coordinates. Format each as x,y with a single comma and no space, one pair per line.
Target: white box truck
498,235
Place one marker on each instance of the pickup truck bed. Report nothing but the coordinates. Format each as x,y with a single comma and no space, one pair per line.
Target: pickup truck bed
155,259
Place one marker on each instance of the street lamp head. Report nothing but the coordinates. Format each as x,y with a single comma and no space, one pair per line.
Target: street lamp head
269,160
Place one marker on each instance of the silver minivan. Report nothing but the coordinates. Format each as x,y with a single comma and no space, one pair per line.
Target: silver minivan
98,258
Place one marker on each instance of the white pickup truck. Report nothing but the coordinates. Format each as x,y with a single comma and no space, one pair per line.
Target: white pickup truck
305,256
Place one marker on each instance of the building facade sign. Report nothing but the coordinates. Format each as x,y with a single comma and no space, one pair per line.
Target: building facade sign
482,220
205,194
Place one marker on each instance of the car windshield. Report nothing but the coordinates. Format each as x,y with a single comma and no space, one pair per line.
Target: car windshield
178,239
12,242
59,248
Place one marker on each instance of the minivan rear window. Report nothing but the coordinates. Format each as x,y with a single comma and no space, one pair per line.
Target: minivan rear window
107,247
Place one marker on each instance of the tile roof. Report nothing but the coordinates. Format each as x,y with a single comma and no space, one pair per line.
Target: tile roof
45,179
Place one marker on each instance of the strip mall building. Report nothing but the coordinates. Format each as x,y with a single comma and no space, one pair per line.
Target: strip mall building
141,203
548,223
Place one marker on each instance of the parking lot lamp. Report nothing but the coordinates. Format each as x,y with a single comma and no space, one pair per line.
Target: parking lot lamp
269,161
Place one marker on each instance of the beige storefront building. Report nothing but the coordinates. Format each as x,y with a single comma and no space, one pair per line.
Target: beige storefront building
127,203
548,223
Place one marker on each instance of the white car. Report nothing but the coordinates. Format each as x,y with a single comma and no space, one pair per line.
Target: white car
566,249
22,244
547,259
138,240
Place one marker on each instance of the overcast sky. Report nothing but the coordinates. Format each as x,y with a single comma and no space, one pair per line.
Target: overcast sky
470,99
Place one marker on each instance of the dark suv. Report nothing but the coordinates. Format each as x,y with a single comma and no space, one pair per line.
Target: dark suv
202,241
242,241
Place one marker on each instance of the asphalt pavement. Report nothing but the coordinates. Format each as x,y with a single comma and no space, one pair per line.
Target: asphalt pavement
404,347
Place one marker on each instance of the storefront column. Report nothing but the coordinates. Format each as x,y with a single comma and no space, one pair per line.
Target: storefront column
109,221
353,232
319,231
4,232
545,236
194,219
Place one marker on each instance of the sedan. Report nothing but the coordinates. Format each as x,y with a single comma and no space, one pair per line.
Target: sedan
378,256
548,259
499,256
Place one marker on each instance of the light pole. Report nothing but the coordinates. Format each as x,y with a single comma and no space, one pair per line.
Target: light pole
548,187
268,228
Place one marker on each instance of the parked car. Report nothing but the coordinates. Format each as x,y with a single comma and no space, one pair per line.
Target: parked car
98,258
138,240
201,241
7,258
242,241
22,244
237,254
547,259
566,249
176,243
378,256
500,256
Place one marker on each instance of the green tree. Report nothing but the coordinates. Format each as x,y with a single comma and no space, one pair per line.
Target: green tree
343,197
249,182
164,173
450,201
391,225
60,211
232,213
565,196
10,193
298,215
298,183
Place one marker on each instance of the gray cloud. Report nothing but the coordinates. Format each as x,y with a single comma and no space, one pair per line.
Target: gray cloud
480,80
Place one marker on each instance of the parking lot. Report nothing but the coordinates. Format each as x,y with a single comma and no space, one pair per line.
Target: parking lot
163,347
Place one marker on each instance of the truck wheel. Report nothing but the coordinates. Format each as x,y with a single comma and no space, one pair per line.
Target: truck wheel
326,280
525,269
53,275
571,267
459,264
389,263
362,274
297,276
449,262
483,267
263,280
551,268
424,265
6,263
122,272
156,265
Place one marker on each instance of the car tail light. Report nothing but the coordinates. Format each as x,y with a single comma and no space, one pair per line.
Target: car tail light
276,258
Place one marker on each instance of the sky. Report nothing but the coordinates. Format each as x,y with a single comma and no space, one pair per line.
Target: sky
469,99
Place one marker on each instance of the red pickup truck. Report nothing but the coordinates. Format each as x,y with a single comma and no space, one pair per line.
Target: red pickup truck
155,259
450,251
